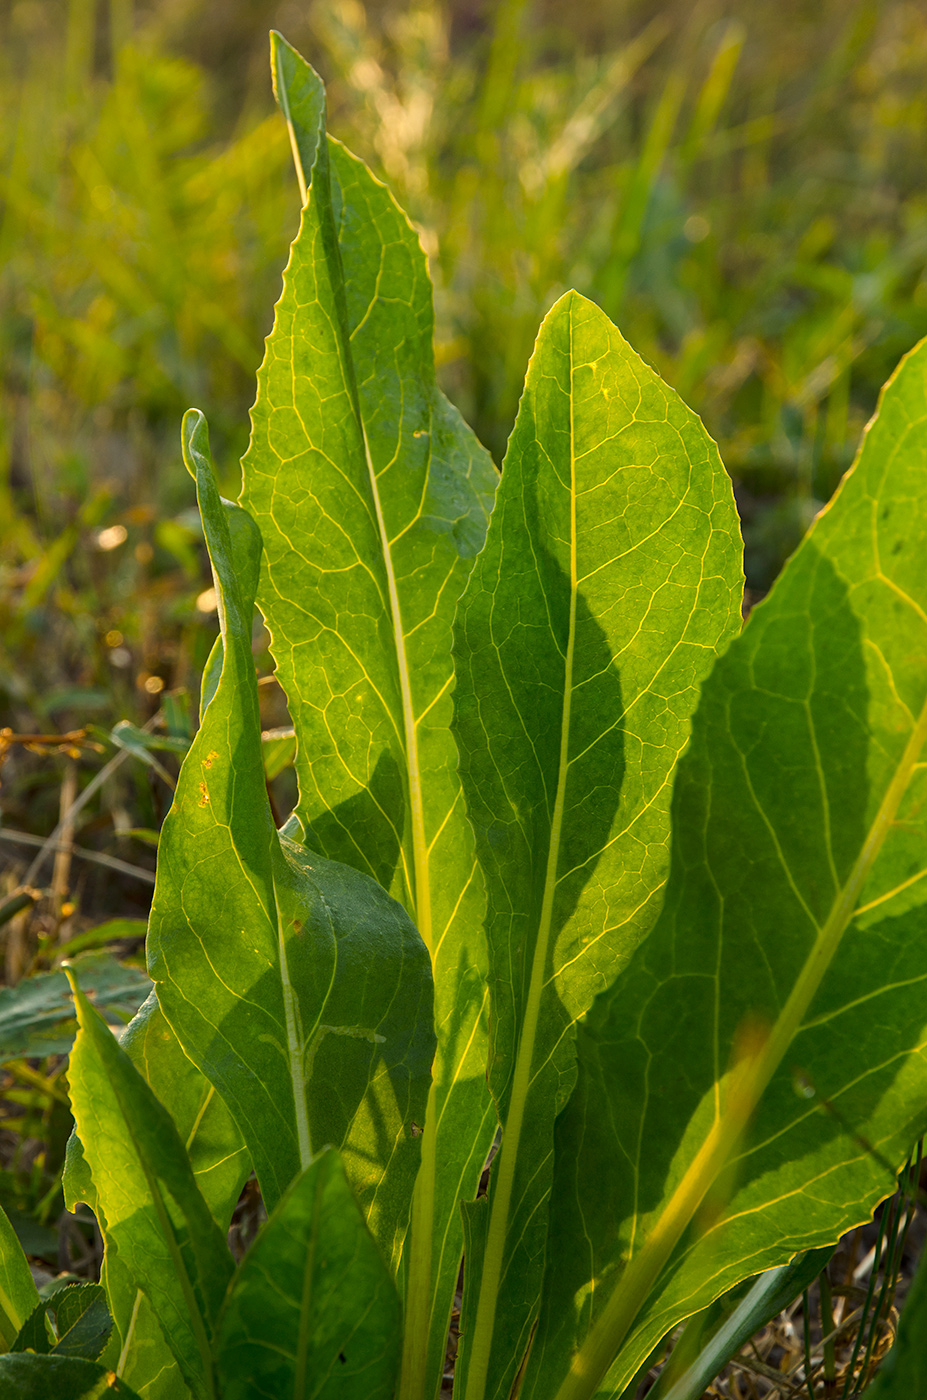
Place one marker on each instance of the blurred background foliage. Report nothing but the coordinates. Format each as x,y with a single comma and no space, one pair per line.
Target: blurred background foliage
741,184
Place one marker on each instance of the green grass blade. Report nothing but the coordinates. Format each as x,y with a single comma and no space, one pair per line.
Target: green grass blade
904,1371
298,987
772,1292
786,973
312,1313
609,581
372,497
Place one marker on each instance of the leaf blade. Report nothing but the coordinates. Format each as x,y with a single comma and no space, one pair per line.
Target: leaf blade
609,580
18,1293
324,981
25,1376
372,511
146,1195
312,1311
809,738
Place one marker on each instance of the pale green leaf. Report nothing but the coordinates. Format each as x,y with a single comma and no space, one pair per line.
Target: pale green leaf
144,1190
220,1165
299,988
18,1293
312,1312
26,1376
609,582
372,497
789,966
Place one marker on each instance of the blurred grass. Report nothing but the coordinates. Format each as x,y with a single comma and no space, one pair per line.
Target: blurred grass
742,187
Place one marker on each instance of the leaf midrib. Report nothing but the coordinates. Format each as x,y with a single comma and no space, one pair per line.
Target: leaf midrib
491,1279
748,1083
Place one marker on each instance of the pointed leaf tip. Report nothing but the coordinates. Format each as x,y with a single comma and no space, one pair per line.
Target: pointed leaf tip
194,436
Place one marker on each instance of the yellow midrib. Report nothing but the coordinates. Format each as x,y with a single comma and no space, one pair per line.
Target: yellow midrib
591,1363
497,1233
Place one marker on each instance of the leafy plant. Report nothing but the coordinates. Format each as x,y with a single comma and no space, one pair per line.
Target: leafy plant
695,1017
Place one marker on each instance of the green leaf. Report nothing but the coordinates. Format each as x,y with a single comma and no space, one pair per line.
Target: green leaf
299,988
110,932
37,1015
82,1324
753,1080
610,580
278,747
146,1196
372,497
25,1376
35,1335
82,1320
214,1145
220,1165
312,1311
18,1293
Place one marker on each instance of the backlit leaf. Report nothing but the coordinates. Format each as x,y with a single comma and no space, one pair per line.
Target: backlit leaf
789,965
299,988
609,582
372,497
312,1312
149,1206
18,1293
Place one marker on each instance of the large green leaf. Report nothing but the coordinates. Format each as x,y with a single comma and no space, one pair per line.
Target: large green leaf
220,1165
372,497
789,965
312,1313
145,1193
18,1293
299,988
610,579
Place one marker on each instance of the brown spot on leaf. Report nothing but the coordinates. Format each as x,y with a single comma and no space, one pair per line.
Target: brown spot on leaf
204,799
207,761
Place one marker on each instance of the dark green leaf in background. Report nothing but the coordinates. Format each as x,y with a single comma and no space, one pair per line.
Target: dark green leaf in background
609,582
35,1333
37,1015
82,1323
790,960
312,1313
372,496
25,1376
300,989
